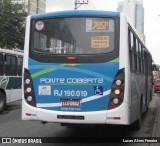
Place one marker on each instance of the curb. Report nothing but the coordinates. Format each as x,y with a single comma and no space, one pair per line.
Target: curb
156,126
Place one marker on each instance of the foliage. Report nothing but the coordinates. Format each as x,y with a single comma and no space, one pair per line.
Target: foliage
156,67
12,18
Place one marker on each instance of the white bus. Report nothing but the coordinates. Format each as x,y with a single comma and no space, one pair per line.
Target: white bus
85,67
10,76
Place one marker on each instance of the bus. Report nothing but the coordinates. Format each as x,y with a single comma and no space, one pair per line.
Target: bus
10,76
85,68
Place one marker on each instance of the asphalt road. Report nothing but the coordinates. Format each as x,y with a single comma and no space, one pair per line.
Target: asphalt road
11,125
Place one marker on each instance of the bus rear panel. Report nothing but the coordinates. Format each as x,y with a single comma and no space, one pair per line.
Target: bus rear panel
72,72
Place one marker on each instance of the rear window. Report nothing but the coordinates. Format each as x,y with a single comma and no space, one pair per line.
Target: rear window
74,35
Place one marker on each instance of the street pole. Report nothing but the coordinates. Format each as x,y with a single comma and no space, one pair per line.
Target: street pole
75,4
28,7
78,3
37,7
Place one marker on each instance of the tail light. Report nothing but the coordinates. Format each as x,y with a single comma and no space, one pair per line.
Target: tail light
29,89
117,90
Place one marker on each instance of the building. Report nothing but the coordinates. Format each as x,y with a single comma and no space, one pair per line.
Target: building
139,24
24,2
135,11
18,1
128,6
33,6
36,6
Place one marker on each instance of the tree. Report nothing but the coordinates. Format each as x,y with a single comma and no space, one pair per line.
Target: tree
12,19
156,67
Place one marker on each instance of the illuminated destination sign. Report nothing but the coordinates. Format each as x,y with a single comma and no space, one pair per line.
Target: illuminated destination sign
98,25
100,42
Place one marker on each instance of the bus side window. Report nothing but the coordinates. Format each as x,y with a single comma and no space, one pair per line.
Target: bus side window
146,62
143,60
7,65
137,54
140,57
13,65
10,65
1,65
132,51
19,66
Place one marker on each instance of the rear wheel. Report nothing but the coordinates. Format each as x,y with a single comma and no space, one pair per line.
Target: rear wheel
137,124
146,105
2,102
146,109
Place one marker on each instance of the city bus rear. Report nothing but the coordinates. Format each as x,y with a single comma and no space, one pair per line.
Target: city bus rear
73,73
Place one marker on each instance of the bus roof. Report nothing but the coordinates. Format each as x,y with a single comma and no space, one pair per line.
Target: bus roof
71,13
8,51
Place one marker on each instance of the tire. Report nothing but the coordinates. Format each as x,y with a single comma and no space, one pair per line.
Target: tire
2,102
137,124
146,105
147,108
151,96
155,91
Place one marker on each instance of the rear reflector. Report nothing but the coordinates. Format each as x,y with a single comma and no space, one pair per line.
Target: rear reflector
112,106
114,118
33,104
29,114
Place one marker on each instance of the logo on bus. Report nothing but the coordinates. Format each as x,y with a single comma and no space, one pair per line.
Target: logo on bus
98,90
39,25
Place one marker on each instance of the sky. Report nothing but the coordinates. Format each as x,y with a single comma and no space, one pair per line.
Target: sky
151,20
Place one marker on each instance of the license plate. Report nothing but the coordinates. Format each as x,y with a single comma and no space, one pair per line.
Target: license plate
70,102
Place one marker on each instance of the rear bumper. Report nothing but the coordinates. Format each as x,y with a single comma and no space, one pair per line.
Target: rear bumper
98,117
